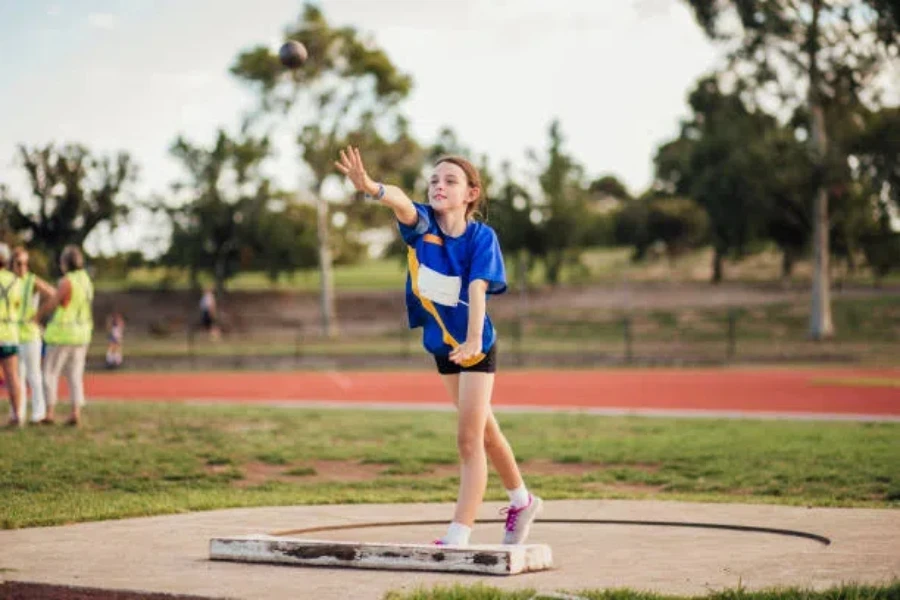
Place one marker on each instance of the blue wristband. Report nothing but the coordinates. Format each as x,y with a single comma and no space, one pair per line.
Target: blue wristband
380,194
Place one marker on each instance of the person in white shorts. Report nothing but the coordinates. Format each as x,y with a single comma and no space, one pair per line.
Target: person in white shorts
34,290
68,333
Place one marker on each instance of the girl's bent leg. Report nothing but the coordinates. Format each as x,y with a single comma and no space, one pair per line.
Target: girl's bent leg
496,445
501,454
474,408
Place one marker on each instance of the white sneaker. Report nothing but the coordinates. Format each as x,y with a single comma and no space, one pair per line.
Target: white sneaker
519,520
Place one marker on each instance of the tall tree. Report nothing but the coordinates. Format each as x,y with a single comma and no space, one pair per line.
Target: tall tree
346,81
799,51
282,239
563,213
719,161
875,169
227,198
510,209
72,192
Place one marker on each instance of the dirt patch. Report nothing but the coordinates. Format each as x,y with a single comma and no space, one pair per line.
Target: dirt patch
20,590
327,471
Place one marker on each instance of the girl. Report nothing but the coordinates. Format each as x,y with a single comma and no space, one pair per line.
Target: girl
454,262
115,327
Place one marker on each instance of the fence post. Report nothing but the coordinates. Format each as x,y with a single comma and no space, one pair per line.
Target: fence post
626,327
298,343
409,337
518,326
732,333
190,346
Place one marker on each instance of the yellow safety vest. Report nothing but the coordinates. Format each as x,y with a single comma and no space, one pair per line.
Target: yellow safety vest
28,329
73,325
10,305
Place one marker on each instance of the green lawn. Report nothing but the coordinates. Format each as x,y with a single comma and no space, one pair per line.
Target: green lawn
369,275
143,459
485,592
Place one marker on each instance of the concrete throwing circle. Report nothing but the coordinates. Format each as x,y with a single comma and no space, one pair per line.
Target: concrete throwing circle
695,525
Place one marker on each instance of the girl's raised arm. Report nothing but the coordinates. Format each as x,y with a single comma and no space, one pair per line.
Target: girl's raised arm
351,165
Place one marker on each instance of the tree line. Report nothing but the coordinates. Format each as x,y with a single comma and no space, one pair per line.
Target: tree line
789,142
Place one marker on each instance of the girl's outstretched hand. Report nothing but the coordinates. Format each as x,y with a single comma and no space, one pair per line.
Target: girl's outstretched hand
351,165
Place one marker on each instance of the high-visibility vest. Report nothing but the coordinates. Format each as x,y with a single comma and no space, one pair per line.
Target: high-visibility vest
73,324
10,305
28,329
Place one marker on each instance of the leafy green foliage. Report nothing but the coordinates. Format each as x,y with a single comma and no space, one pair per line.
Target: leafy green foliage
72,191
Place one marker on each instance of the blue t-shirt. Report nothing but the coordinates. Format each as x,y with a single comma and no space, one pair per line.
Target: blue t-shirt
437,285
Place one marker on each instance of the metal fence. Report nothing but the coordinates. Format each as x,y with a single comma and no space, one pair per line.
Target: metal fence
869,333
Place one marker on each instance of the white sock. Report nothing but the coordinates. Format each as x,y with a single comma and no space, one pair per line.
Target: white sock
519,497
457,534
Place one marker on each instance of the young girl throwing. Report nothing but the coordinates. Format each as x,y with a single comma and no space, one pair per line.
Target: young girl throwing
454,262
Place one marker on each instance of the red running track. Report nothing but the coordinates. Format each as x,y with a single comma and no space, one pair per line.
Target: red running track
807,391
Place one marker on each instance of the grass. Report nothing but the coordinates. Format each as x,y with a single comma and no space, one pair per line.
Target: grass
484,592
598,265
146,459
368,275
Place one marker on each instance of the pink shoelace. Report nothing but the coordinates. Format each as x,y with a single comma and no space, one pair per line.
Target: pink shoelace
512,515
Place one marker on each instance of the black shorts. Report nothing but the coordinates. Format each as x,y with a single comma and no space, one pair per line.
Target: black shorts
488,364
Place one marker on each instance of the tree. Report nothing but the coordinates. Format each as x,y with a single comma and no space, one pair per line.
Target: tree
679,223
787,205
510,209
630,227
283,239
608,186
874,187
720,160
561,217
875,150
228,202
346,82
73,192
801,51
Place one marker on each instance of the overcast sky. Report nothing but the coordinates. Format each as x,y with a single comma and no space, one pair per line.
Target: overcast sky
132,74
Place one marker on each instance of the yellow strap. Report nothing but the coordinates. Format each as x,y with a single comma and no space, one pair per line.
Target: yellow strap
428,305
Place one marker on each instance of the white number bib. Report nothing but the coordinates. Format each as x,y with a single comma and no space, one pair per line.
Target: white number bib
443,289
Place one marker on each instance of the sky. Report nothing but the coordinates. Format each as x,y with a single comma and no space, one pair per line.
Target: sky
133,74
